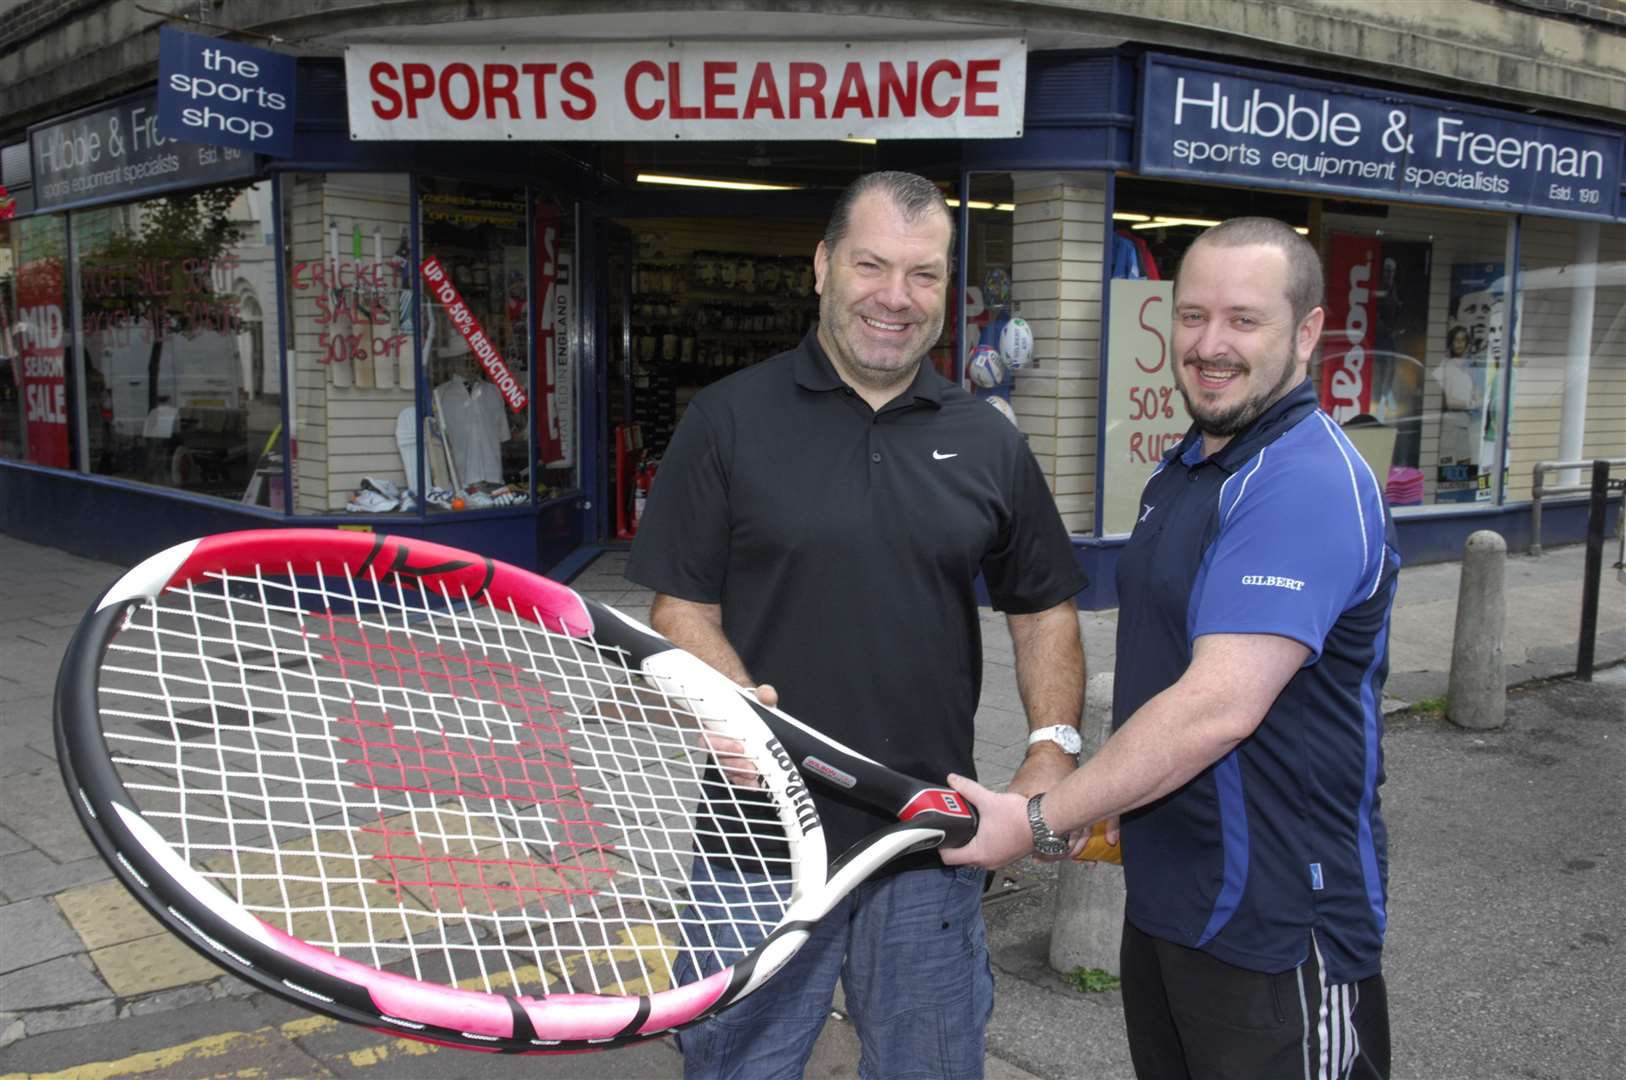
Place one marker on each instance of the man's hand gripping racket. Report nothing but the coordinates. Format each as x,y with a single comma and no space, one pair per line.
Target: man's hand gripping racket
431,793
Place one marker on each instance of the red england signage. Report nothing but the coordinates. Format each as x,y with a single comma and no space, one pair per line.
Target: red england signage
636,91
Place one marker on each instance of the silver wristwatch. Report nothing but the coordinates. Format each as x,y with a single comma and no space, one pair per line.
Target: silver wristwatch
1045,842
1063,735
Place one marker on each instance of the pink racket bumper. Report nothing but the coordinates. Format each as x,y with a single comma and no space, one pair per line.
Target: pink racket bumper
424,791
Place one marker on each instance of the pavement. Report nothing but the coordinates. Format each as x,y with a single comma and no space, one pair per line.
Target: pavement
1508,860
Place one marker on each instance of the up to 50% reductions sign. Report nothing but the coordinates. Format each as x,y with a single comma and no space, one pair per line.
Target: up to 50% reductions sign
491,361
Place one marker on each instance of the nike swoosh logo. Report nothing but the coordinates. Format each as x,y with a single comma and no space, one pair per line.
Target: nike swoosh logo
936,456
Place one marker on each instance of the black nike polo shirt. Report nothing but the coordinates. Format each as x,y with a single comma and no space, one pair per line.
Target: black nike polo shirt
843,545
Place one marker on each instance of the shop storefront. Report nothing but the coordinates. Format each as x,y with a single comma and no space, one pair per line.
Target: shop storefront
472,294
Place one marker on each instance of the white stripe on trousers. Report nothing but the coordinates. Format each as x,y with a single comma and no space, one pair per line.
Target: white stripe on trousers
1337,1043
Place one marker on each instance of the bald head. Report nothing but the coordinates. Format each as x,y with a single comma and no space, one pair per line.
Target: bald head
1305,286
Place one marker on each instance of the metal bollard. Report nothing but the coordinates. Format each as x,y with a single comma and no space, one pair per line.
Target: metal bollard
1477,691
1089,917
1597,512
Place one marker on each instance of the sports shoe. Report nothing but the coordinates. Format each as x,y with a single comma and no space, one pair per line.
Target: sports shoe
387,488
370,502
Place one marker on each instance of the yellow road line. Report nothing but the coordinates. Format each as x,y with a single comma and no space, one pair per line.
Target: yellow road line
230,1042
159,1061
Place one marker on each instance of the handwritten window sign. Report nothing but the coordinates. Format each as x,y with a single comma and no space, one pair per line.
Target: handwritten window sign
223,93
1145,415
116,152
966,89
1203,120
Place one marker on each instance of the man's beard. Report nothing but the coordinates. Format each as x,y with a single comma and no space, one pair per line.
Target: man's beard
1238,417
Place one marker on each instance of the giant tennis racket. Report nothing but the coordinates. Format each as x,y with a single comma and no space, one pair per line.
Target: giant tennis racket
417,789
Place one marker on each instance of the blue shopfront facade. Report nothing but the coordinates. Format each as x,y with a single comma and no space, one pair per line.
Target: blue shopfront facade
1132,119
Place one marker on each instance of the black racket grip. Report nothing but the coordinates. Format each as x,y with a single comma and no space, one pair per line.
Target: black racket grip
915,802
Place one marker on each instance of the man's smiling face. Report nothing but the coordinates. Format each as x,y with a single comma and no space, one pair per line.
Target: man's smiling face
882,292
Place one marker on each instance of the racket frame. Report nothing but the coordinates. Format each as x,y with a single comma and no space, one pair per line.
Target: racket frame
203,915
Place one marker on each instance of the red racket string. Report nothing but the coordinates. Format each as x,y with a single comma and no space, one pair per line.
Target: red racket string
414,780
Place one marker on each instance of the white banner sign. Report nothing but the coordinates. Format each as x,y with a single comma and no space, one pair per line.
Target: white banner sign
644,91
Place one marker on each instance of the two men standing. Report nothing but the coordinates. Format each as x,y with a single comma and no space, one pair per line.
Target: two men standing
820,522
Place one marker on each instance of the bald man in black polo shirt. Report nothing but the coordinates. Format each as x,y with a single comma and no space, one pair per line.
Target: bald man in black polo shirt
816,530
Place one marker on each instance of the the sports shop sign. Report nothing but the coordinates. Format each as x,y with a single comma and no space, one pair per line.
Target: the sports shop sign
1213,122
640,91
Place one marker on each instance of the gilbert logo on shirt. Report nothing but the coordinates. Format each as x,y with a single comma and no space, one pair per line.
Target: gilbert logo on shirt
1273,581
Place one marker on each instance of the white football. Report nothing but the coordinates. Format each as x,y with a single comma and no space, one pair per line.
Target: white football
1016,342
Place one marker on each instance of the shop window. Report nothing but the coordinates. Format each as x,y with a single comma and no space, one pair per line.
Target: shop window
1413,360
1569,355
172,293
349,280
1032,305
555,281
475,269
37,405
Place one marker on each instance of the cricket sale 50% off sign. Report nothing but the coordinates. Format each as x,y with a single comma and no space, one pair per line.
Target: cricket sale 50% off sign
689,90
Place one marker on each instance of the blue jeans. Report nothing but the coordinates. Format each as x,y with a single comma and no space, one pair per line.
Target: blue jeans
911,951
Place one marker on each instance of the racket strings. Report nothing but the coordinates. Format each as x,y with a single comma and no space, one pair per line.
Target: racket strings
428,785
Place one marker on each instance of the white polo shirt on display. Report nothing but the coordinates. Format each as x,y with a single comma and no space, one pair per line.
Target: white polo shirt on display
476,425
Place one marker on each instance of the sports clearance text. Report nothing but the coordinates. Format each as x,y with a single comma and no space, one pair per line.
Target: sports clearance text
688,91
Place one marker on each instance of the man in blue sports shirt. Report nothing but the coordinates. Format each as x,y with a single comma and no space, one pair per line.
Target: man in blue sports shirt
1254,600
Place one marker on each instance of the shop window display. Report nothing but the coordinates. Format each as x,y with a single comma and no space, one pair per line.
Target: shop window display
1417,349
997,339
1030,344
1569,387
476,343
1415,354
172,294
350,330
37,419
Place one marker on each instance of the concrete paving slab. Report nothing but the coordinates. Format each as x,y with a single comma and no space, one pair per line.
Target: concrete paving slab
23,759
35,806
66,980
11,843
30,873
33,932
151,963
44,1021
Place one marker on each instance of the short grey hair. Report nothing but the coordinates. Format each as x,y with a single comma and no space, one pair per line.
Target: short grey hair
914,196
1306,283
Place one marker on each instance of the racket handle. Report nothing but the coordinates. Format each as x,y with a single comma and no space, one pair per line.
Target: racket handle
946,809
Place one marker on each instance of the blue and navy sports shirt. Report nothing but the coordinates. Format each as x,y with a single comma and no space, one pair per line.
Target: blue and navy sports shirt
1284,532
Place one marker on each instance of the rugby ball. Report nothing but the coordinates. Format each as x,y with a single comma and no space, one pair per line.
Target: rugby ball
986,367
1016,342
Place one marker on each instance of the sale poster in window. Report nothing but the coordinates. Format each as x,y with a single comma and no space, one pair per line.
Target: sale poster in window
1145,415
41,333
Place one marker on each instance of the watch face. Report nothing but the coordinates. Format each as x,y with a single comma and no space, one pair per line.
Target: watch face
1054,846
1062,735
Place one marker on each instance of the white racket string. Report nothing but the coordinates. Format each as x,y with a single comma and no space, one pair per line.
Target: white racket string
429,784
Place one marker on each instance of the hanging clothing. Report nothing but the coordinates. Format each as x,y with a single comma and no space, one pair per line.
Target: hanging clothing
1125,257
476,426
1148,264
